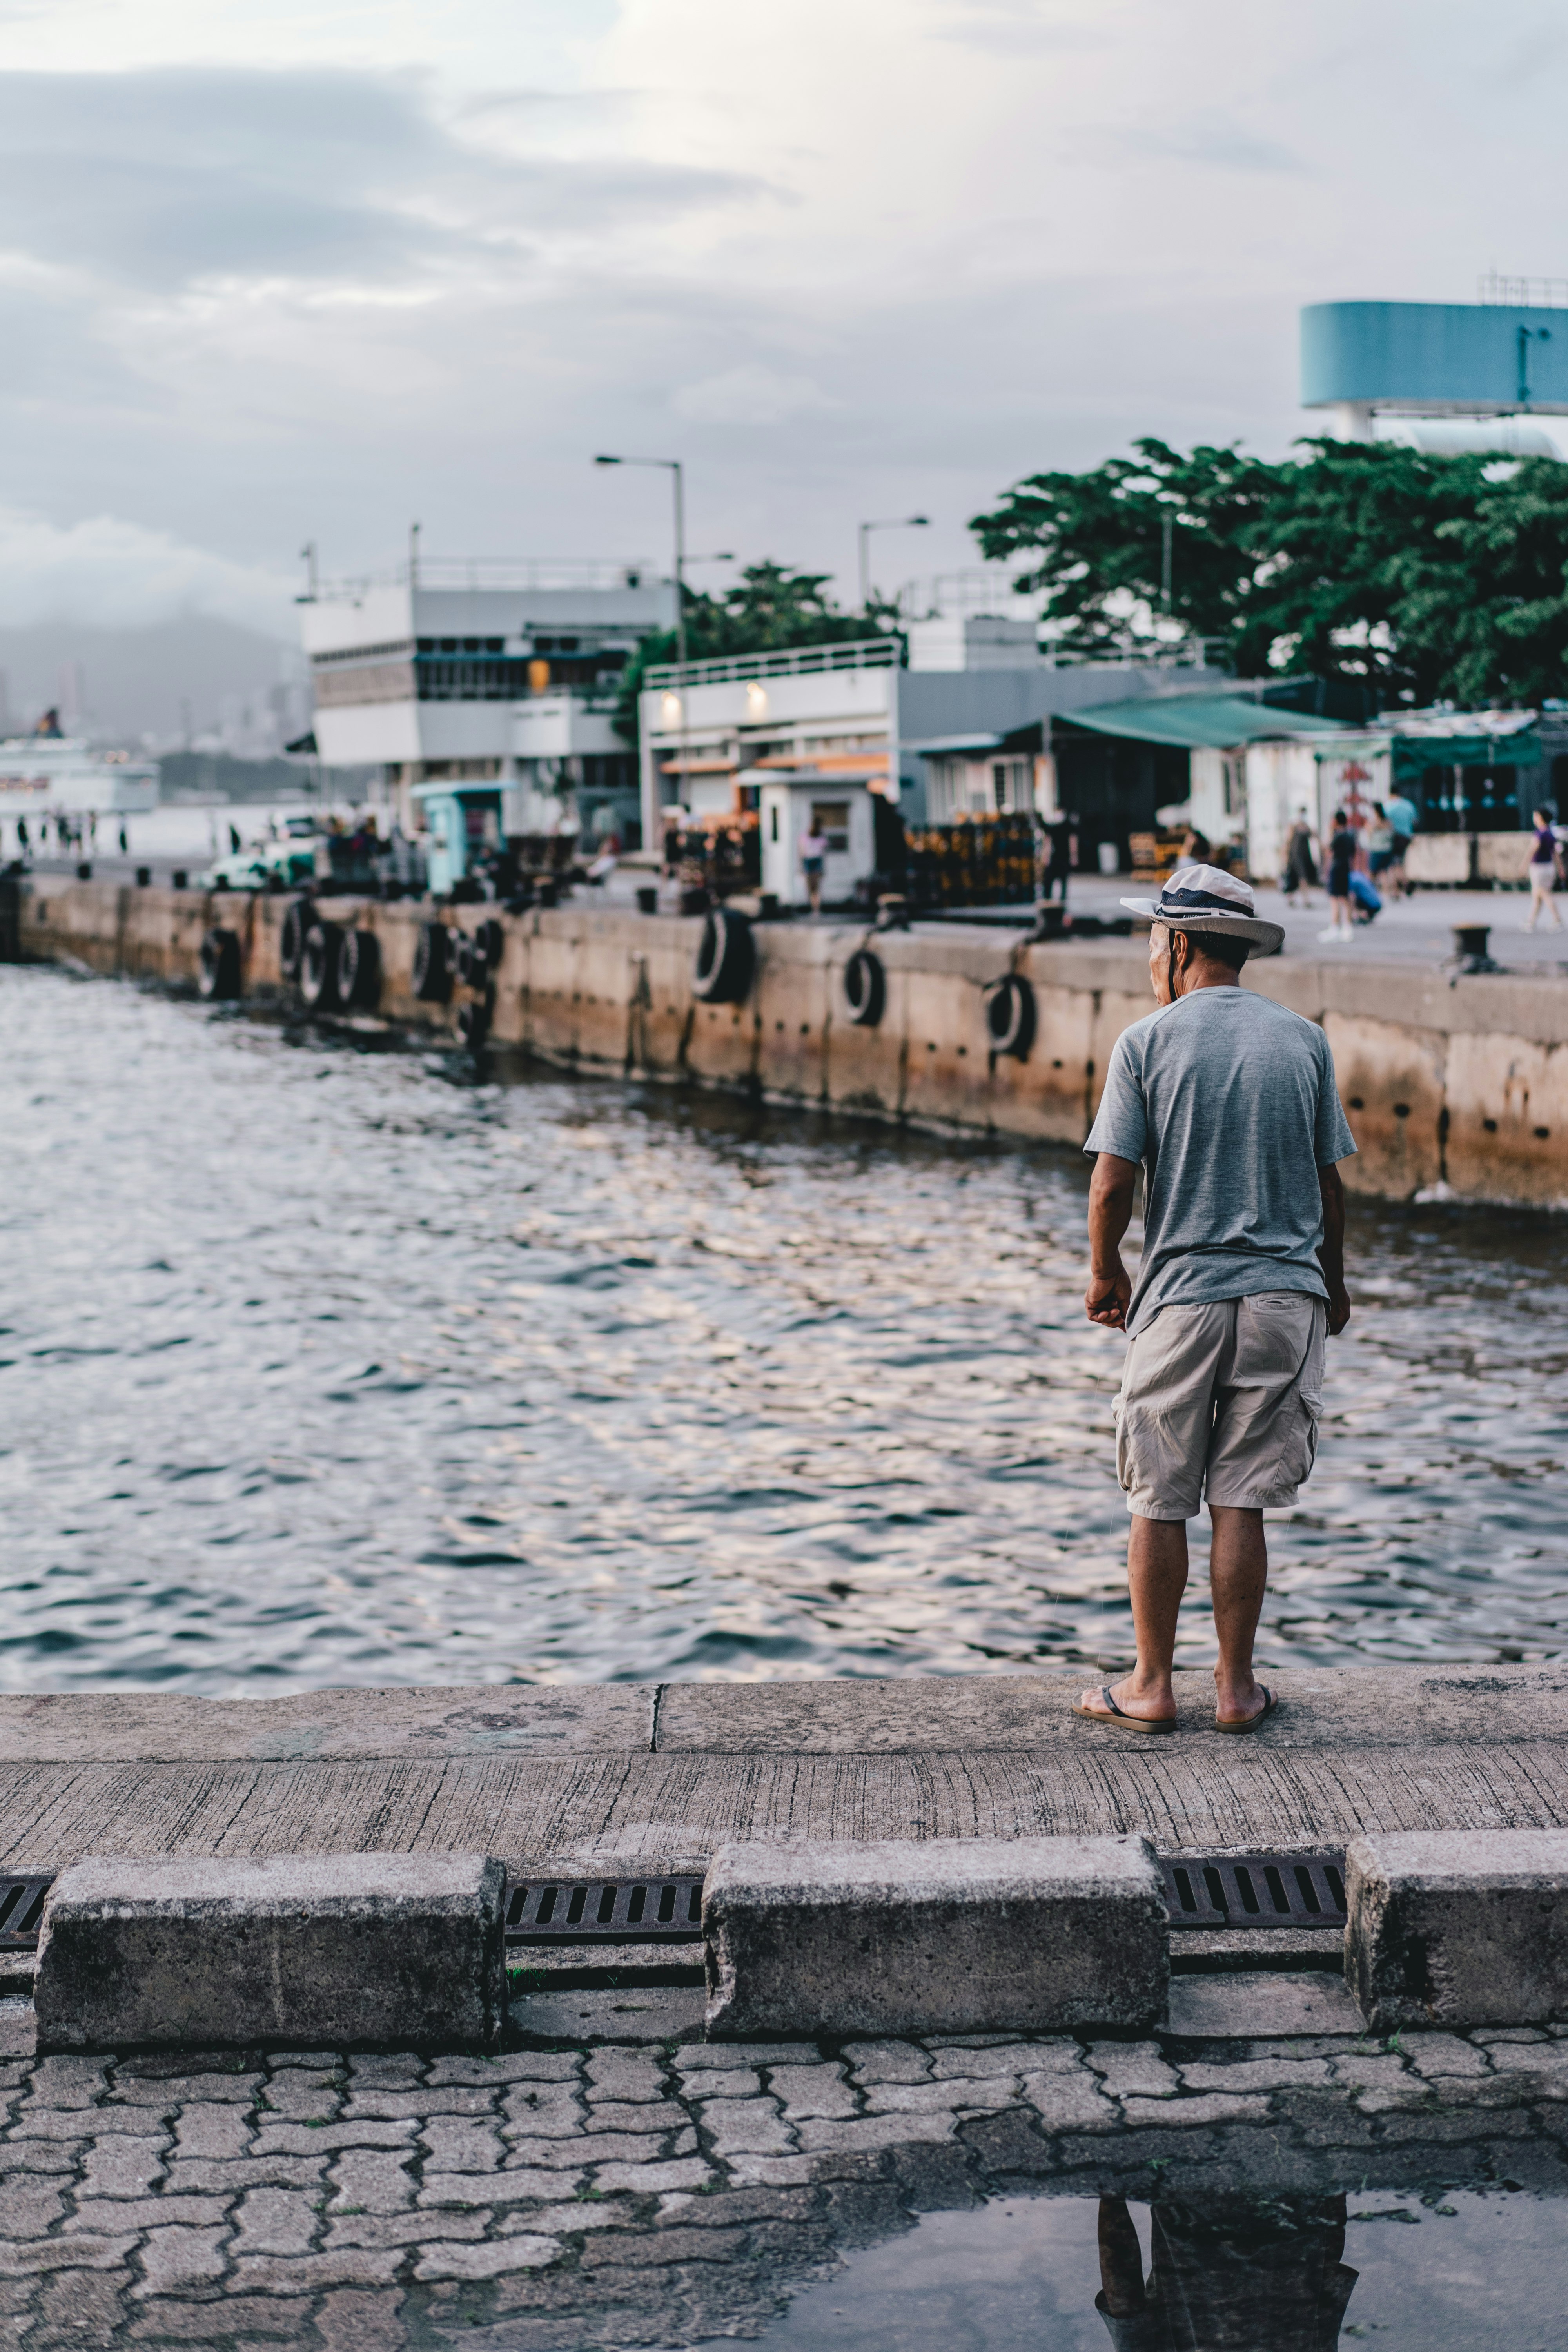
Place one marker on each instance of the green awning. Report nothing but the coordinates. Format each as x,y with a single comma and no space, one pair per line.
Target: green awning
1191,722
1413,752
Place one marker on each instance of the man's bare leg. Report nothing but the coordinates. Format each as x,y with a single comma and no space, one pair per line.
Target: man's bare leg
1156,1579
1238,1572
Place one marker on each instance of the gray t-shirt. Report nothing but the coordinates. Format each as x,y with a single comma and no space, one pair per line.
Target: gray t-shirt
1229,1102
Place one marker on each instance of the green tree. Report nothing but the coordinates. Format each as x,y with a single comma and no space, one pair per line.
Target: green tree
1427,577
770,608
1484,612
1097,543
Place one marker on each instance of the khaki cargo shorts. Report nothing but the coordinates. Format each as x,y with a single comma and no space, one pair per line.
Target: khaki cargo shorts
1226,1395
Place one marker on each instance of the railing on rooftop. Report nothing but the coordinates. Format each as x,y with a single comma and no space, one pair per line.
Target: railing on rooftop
1522,293
860,653
476,572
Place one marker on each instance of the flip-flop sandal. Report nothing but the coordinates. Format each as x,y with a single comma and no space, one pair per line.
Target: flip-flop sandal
1119,1715
1251,1722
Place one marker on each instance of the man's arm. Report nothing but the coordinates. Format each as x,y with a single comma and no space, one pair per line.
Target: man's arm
1331,1249
1110,1190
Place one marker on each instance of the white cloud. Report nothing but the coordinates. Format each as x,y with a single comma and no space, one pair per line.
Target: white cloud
108,573
271,274
753,395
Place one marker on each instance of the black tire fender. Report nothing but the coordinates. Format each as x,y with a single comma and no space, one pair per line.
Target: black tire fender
865,989
298,917
319,967
359,971
433,964
218,975
1010,1016
726,962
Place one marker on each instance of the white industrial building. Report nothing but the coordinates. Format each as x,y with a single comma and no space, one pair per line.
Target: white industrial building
485,692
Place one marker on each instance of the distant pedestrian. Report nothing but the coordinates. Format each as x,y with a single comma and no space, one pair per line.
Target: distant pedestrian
1300,867
22,835
1341,863
812,858
1379,842
1543,871
233,840
1062,832
1366,902
1402,815
1226,1101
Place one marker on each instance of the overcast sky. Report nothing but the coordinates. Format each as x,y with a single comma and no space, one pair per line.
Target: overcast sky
272,273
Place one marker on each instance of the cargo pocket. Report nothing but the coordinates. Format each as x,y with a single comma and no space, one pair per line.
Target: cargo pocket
1309,1382
1304,1447
1125,1473
1309,1385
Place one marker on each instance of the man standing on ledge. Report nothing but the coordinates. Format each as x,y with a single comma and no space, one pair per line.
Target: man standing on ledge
1228,1103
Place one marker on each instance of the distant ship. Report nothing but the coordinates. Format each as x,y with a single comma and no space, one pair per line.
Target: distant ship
51,773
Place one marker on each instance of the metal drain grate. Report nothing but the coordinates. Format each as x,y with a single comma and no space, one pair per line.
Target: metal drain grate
21,1908
605,1910
1255,1890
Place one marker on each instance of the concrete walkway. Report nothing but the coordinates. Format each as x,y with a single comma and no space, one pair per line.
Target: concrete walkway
661,1774
621,2184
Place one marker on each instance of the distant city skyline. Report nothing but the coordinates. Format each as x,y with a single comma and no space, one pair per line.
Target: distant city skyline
285,275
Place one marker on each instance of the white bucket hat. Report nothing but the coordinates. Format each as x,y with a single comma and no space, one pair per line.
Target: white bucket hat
1206,899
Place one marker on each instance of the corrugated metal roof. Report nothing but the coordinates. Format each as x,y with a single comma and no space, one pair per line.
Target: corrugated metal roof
1198,721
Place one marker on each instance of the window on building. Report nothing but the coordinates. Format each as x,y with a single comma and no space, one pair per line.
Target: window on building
1012,784
831,819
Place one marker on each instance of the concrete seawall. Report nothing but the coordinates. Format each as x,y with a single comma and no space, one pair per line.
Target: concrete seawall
1461,1086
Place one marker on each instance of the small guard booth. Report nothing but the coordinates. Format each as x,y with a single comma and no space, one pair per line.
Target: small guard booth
464,820
796,801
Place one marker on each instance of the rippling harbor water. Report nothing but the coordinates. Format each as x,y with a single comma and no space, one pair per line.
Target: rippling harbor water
324,1365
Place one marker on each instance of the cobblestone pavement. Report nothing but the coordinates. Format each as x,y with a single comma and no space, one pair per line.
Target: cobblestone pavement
552,2200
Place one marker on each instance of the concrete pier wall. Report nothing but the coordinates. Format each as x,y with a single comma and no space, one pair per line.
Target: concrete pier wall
1460,1085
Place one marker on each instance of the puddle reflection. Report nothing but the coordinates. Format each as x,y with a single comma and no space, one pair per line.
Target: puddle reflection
1446,2270
1230,2271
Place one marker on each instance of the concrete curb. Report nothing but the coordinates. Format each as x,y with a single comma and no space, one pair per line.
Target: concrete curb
957,1936
286,1952
1458,1927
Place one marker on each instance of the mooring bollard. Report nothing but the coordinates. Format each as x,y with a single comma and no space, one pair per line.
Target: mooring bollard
1471,952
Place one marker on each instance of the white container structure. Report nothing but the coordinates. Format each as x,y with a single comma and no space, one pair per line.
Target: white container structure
841,811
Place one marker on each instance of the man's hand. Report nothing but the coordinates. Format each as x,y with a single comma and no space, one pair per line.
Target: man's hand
1338,1309
1106,1300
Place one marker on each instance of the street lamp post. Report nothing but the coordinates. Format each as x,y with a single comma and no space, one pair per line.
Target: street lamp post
672,467
899,523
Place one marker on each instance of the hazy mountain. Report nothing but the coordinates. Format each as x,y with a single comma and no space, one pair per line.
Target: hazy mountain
135,682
